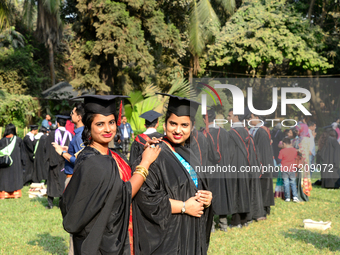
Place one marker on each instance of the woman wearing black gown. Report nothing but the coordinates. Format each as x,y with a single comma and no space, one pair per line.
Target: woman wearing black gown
172,213
11,178
96,203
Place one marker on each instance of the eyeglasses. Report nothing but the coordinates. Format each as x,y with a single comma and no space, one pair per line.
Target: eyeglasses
71,113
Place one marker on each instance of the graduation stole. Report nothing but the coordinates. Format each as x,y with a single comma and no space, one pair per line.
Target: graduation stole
123,167
144,136
195,136
185,164
58,138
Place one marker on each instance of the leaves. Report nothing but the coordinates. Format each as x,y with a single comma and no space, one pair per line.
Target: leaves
263,32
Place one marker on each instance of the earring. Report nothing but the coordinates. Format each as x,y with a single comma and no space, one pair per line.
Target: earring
90,137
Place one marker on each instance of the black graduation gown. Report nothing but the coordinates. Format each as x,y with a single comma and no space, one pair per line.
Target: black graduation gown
199,146
265,154
156,230
219,183
96,206
56,177
29,160
11,178
276,135
247,197
330,155
137,147
41,166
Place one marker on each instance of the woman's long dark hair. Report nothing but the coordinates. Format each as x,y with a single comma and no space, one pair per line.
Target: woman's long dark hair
324,137
10,130
87,121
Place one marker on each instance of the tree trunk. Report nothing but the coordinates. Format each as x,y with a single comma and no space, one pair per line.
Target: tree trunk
51,62
314,88
310,10
191,71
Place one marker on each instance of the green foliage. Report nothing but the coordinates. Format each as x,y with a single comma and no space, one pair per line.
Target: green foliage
10,37
263,33
121,44
19,73
17,109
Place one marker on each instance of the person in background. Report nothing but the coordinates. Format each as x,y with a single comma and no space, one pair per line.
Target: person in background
262,140
46,121
56,177
11,181
40,167
312,134
287,156
151,125
328,154
277,135
126,132
29,142
335,126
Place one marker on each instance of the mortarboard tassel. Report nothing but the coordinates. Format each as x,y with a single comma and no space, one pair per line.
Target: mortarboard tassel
120,113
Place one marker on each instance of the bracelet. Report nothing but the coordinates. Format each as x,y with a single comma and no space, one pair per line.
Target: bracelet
142,171
62,153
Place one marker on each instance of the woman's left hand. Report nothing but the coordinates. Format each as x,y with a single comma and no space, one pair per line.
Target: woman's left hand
152,142
205,197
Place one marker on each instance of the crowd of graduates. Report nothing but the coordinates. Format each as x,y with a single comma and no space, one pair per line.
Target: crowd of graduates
162,200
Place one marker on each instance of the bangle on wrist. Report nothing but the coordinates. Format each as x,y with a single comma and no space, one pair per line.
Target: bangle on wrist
142,171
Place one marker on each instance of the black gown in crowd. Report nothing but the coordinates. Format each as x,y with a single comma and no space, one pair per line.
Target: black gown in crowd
96,206
199,146
330,155
220,183
11,177
247,196
276,135
137,147
156,230
265,153
29,160
56,177
41,165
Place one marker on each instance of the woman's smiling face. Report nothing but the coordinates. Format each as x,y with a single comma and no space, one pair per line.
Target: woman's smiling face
178,129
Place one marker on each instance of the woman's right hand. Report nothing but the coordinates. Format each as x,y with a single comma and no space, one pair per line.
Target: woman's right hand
193,207
149,155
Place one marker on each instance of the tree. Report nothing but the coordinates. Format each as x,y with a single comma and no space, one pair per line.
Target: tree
49,26
264,35
204,23
121,44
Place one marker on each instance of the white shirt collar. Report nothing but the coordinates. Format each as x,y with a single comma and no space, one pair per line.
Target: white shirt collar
150,131
62,128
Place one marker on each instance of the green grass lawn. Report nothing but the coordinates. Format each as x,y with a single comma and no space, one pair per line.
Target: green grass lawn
26,227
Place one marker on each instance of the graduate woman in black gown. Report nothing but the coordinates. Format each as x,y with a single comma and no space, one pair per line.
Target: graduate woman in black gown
11,181
96,203
171,211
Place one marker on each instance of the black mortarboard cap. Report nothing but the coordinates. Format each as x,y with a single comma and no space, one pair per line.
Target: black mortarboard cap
150,115
102,104
181,106
65,117
34,127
